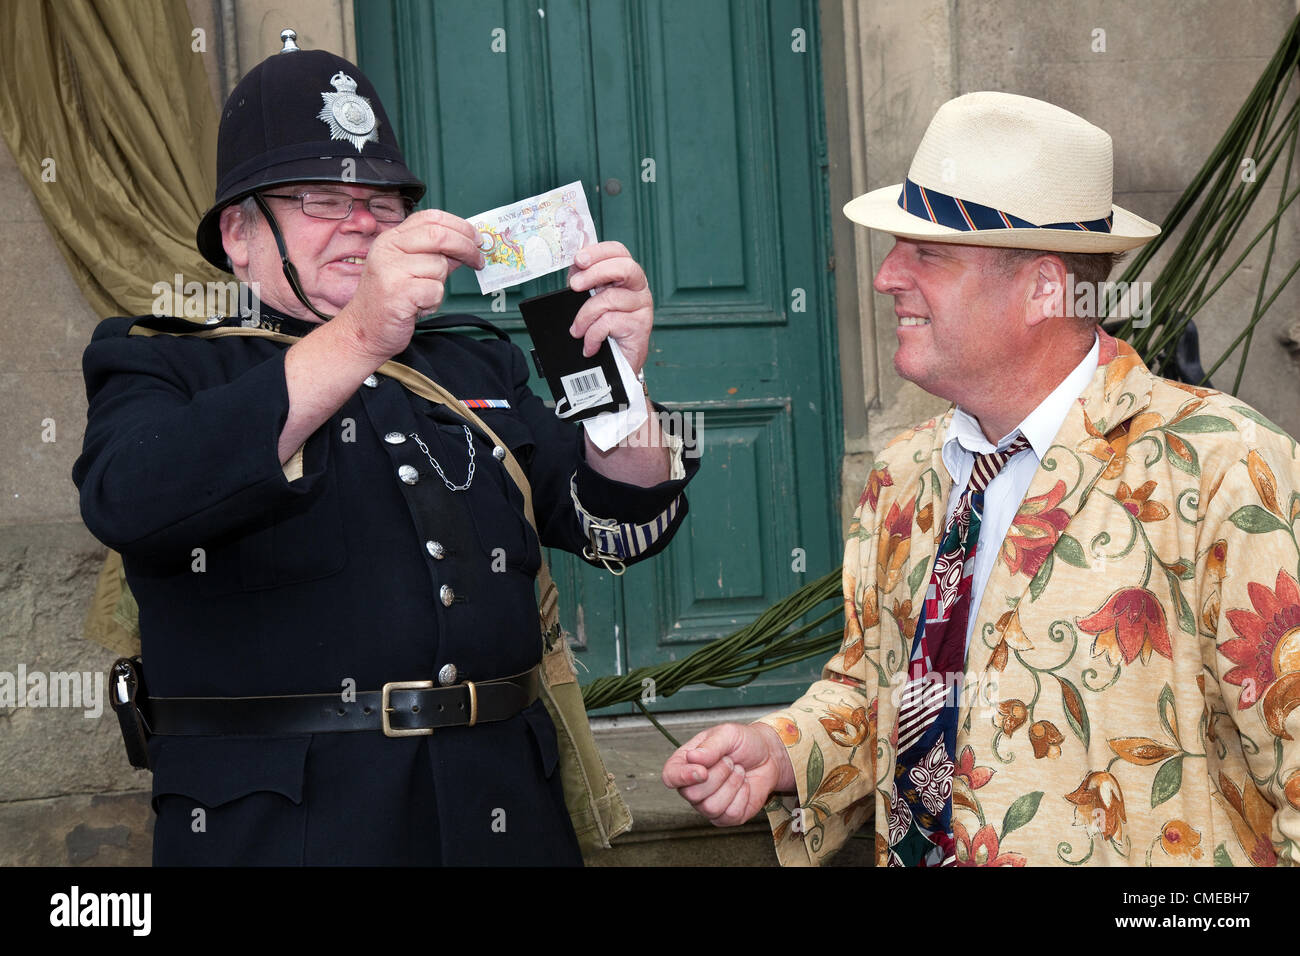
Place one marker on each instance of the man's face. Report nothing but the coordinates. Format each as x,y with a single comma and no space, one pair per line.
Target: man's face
956,314
329,254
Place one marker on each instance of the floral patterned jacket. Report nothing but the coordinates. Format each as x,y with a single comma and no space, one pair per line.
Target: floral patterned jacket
1135,659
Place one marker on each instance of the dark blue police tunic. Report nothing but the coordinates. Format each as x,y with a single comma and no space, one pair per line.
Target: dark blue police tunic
364,570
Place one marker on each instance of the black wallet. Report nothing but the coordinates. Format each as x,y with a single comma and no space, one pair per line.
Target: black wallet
582,387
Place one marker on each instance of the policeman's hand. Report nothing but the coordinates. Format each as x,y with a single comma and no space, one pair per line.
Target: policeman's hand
728,772
622,309
405,277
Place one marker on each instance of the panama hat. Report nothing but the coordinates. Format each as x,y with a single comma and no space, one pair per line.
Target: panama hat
997,169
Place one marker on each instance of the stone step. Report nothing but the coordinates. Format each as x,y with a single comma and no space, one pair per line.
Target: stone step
80,829
666,830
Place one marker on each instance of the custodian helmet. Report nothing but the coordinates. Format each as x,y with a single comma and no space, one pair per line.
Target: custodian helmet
301,116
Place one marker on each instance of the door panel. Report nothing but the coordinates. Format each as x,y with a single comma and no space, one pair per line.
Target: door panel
695,127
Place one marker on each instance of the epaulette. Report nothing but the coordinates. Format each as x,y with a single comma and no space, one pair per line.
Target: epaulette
170,325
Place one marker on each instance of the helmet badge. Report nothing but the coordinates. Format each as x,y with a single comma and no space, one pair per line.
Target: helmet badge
349,117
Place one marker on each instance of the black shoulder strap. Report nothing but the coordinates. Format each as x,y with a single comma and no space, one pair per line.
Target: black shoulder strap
445,323
170,325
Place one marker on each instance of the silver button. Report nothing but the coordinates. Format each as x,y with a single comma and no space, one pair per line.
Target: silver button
499,453
371,381
447,595
408,474
212,320
394,438
435,549
447,675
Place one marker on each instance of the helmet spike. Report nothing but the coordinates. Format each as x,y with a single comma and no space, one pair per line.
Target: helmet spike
289,38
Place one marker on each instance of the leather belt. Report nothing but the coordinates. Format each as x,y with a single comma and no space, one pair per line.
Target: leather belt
401,709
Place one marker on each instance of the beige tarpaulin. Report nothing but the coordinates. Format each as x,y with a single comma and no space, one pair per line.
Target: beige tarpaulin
106,108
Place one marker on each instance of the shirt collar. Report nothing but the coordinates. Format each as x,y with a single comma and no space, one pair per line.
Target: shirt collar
1039,426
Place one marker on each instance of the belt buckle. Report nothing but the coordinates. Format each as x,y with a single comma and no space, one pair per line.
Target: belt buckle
385,709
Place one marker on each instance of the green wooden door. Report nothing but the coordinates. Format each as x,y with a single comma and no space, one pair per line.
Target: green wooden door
695,126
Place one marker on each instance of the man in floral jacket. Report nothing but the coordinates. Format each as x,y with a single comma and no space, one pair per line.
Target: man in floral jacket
1132,624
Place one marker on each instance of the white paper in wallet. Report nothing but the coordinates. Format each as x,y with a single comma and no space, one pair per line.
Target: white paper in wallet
609,428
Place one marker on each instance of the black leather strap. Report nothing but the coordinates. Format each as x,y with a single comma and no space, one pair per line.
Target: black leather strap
445,323
290,273
412,710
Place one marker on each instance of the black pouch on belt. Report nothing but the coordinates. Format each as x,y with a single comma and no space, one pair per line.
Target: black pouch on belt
127,695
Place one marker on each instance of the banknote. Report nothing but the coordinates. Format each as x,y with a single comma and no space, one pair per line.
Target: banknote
532,237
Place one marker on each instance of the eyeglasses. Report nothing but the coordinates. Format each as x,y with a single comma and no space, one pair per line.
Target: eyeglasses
329,205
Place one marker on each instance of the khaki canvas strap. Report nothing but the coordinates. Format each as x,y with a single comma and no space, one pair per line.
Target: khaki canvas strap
425,387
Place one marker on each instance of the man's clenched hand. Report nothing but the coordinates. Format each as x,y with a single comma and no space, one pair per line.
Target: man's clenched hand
728,772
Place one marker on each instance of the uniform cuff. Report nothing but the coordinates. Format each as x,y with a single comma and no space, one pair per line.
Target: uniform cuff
623,522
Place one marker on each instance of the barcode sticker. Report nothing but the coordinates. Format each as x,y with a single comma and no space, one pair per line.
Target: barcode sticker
580,386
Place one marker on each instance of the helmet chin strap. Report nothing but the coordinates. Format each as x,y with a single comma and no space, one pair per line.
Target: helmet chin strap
290,273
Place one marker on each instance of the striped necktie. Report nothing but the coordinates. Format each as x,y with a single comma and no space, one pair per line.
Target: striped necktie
920,818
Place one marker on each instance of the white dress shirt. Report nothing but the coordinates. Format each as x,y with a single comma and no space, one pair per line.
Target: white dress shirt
1005,493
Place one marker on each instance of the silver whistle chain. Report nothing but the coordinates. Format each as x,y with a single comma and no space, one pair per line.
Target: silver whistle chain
469,479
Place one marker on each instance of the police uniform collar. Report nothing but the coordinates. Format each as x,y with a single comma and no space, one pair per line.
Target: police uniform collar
263,316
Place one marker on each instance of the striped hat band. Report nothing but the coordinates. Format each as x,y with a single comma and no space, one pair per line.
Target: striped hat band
967,216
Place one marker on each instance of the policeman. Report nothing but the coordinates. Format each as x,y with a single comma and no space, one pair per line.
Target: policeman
305,536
